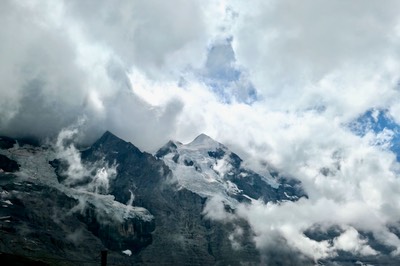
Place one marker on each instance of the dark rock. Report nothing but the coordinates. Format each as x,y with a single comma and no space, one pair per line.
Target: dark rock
291,187
8,165
188,162
15,260
217,154
133,234
167,148
6,142
41,225
40,220
235,160
318,234
29,140
175,158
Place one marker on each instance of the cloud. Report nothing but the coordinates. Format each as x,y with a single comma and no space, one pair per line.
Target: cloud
92,177
339,55
215,209
350,241
156,36
36,77
56,70
350,180
276,81
288,221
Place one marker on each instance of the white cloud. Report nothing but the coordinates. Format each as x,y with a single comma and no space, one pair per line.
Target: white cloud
133,67
94,177
54,72
215,209
350,241
159,37
339,54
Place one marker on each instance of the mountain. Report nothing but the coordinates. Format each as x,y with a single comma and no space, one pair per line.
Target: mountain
208,168
61,206
42,219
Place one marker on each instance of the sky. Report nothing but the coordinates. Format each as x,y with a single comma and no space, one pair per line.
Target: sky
310,88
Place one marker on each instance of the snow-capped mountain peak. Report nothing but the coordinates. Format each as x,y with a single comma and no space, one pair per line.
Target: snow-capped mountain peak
208,168
203,141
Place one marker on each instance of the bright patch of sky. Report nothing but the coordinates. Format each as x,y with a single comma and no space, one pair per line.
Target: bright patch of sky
224,77
382,124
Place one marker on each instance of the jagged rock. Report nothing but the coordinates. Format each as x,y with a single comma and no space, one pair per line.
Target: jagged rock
167,148
147,209
8,165
182,236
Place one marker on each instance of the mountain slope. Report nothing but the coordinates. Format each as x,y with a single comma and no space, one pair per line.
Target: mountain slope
42,218
60,203
209,169
182,235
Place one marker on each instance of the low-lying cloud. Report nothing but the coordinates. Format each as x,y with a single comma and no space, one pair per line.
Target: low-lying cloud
92,177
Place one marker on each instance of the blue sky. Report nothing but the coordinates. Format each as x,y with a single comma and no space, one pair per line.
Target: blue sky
224,77
377,122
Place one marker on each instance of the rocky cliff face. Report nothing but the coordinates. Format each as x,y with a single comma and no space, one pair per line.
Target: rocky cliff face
183,234
153,207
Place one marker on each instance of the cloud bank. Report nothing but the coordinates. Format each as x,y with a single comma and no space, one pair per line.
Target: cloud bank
66,59
277,81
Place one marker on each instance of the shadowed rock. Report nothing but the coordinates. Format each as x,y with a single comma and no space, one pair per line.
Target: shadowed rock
8,165
6,143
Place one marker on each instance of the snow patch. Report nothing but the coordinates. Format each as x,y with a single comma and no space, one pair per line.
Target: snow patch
290,197
203,142
127,252
201,173
249,198
7,202
207,168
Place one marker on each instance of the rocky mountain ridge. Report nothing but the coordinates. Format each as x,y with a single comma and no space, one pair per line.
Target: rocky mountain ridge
59,203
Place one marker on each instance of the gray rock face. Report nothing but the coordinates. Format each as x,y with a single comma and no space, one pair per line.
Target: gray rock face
35,223
117,235
40,221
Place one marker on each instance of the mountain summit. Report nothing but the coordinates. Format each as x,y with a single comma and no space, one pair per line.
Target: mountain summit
177,207
205,141
208,168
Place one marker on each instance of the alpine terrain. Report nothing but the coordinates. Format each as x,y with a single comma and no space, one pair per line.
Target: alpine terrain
60,206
